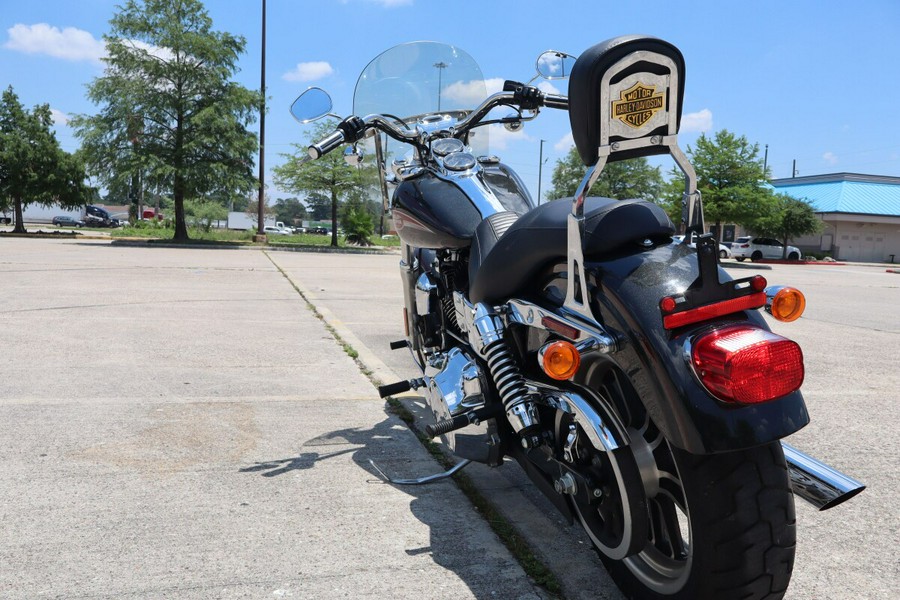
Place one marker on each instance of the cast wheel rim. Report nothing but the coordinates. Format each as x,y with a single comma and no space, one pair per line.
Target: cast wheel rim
664,564
609,523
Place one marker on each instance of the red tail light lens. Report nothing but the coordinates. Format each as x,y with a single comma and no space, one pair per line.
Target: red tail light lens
748,365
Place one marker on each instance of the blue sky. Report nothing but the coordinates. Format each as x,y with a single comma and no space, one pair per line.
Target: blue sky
818,81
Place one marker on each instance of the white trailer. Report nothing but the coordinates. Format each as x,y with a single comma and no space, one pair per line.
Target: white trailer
243,221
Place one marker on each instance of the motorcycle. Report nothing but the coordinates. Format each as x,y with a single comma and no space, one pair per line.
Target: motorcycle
633,380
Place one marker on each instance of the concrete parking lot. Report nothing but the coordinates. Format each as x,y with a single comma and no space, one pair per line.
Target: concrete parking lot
178,423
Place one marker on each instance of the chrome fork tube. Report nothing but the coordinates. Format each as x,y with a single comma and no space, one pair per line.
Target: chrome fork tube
816,482
408,273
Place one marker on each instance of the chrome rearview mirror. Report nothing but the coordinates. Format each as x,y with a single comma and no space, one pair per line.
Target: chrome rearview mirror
553,64
311,105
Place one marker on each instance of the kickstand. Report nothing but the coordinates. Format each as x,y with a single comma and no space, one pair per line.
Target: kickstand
421,480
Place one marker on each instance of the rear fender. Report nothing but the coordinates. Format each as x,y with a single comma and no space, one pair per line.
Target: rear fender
626,295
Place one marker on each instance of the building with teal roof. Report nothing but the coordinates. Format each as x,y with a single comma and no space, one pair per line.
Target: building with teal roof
861,214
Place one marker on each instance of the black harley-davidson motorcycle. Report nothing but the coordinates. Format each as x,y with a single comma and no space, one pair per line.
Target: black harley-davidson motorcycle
634,381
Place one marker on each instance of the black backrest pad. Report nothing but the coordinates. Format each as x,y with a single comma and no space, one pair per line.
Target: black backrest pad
505,264
585,91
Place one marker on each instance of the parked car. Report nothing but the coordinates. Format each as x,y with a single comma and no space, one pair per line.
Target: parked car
97,216
272,230
320,230
724,251
757,248
67,221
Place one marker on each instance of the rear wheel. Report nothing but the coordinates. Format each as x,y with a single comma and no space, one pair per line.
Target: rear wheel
793,256
716,526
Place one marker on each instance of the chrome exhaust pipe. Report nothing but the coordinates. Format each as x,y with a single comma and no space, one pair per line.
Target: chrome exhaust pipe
816,482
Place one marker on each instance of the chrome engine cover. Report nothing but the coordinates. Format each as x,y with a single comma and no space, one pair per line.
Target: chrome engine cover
455,386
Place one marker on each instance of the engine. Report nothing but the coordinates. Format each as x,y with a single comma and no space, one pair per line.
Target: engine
456,385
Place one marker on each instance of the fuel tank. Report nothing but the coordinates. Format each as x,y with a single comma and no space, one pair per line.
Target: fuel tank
432,211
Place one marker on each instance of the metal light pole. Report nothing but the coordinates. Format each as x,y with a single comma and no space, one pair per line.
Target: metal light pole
440,66
540,170
260,224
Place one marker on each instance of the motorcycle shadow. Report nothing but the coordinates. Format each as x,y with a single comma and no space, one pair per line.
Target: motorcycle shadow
458,540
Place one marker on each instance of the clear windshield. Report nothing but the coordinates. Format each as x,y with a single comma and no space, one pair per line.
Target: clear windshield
417,79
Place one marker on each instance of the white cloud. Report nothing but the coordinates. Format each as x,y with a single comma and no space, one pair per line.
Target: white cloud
69,43
549,88
393,3
469,94
501,138
158,52
698,122
309,71
59,117
565,143
830,157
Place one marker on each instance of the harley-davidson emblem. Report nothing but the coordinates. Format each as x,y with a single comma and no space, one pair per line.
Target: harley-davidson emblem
638,104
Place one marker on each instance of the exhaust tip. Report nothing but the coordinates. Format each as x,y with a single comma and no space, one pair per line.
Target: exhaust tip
816,482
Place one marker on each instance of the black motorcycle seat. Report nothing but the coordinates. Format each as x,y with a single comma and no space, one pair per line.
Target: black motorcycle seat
508,250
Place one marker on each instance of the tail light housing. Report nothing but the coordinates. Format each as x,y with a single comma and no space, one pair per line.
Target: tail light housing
745,364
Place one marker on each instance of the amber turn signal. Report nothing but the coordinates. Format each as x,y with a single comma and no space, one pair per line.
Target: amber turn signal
785,303
559,360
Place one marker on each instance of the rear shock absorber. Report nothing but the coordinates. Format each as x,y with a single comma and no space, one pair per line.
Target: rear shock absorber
487,338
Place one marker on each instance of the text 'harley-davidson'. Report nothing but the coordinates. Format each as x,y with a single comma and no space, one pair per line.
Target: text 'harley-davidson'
632,379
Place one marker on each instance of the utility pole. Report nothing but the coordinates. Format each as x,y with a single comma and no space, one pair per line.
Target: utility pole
540,170
440,66
766,160
260,224
794,170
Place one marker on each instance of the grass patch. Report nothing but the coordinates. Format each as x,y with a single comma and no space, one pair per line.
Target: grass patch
155,232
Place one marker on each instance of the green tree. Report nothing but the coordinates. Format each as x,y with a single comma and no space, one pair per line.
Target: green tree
289,210
787,218
634,178
318,207
357,223
168,105
330,176
202,213
731,179
33,168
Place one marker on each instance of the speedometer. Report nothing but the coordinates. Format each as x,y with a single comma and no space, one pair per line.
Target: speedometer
446,146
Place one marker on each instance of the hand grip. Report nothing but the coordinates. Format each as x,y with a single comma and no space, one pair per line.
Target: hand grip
555,101
323,147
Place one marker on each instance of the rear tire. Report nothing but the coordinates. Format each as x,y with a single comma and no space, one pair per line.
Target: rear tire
741,532
793,256
756,256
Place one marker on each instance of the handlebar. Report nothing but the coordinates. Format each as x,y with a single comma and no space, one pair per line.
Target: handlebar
323,147
326,145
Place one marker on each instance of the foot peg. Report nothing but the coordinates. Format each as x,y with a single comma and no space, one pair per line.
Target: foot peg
399,344
398,388
458,422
